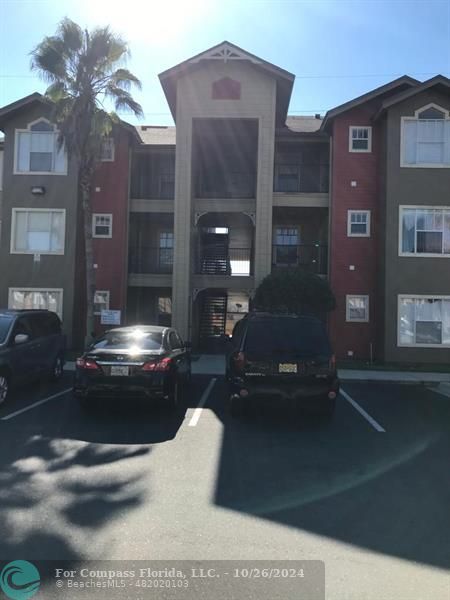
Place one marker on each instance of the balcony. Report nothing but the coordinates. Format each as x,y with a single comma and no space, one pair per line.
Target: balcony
150,260
217,260
295,179
310,257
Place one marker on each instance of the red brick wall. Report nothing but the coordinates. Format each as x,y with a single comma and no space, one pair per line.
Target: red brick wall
360,252
111,255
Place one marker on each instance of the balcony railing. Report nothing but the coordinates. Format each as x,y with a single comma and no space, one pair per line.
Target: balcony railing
219,260
147,259
310,257
301,179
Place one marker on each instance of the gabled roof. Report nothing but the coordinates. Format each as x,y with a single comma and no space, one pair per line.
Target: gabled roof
156,135
401,84
439,81
6,112
226,51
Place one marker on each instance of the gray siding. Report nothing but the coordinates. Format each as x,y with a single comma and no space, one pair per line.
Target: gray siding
60,192
411,275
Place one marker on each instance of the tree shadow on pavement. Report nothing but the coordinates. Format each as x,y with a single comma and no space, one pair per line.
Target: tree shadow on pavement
388,492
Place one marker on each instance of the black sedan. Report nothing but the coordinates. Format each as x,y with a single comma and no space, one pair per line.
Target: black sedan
143,361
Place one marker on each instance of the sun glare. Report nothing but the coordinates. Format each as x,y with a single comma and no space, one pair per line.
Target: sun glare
157,22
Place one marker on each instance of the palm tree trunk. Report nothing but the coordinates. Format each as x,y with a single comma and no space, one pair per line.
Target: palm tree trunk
85,189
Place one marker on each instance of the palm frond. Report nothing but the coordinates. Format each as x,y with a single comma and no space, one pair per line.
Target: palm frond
71,34
123,78
123,100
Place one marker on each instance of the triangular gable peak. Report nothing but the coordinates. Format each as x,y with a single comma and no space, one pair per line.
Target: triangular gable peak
227,52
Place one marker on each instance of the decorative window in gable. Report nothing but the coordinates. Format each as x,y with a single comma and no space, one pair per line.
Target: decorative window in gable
37,150
226,89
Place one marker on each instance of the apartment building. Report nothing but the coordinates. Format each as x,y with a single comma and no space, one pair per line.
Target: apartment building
189,219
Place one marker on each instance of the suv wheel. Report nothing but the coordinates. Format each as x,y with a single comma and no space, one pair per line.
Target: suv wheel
4,388
236,406
57,369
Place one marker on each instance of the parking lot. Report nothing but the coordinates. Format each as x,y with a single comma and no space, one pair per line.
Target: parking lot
367,493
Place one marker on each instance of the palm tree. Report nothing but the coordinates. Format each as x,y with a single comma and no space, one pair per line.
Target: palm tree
83,70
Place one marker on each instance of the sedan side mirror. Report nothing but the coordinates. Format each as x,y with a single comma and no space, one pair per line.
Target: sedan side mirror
21,338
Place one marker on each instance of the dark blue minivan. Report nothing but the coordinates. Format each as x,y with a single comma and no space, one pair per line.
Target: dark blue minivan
32,345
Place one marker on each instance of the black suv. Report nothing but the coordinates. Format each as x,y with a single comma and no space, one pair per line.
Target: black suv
31,345
281,357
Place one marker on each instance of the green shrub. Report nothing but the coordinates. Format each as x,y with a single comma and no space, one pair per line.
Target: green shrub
295,291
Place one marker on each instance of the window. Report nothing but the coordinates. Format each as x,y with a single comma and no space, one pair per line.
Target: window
424,230
357,309
167,184
166,248
360,139
425,138
101,301
286,242
288,178
102,225
164,311
107,150
37,150
358,223
423,321
174,341
26,298
37,231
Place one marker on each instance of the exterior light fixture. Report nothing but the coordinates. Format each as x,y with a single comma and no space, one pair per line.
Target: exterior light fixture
38,190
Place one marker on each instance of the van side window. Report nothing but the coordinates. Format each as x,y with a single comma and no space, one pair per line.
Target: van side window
22,326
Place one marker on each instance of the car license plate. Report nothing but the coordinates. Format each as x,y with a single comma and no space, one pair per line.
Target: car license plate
120,371
287,368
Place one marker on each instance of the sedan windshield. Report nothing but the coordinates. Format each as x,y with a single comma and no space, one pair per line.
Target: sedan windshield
5,324
129,340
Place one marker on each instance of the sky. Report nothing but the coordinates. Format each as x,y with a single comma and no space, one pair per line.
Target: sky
338,49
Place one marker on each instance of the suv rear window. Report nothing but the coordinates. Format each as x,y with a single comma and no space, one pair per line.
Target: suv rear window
5,324
300,337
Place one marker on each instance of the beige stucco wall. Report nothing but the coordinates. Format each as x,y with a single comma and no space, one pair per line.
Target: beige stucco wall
194,100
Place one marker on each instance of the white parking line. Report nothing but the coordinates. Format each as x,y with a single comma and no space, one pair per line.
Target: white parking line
22,410
362,412
198,411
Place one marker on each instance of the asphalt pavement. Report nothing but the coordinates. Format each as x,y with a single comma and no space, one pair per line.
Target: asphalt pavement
367,493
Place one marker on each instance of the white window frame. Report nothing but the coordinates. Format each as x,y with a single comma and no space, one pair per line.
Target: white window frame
369,139
16,210
400,231
402,138
16,149
417,297
60,291
349,223
108,294
113,153
94,225
347,308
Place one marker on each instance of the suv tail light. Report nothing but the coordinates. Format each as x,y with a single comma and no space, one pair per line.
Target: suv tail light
239,361
160,365
86,363
332,363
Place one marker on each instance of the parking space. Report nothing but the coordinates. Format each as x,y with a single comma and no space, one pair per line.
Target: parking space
131,481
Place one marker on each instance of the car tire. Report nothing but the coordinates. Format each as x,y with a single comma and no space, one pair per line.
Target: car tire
236,407
327,412
4,388
57,369
174,396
